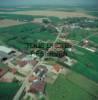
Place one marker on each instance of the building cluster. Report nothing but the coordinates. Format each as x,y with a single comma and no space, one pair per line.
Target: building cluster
38,79
19,66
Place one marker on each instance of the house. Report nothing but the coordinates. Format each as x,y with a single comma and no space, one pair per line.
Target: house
37,87
31,59
13,70
32,78
41,71
34,62
56,52
56,68
85,43
2,72
22,63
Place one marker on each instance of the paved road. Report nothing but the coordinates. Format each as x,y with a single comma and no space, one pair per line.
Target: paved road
18,94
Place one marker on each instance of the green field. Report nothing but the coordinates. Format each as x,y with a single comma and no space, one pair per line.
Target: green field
18,36
78,34
94,38
94,12
8,90
87,63
26,18
63,89
88,85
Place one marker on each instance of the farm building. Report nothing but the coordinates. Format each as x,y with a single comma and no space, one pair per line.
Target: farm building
5,53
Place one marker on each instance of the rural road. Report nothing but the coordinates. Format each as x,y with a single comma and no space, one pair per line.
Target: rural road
18,94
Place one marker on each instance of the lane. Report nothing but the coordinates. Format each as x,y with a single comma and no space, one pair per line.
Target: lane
18,94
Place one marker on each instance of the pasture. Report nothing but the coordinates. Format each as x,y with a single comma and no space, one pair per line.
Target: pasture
18,36
87,63
63,89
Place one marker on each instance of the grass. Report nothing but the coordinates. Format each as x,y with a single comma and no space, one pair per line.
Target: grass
88,58
8,90
63,89
18,17
94,38
94,13
87,63
83,82
78,34
18,36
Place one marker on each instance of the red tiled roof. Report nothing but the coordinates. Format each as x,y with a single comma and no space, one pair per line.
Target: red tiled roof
38,86
2,71
22,63
56,67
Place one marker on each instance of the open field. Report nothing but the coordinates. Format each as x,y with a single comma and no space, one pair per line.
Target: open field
18,36
21,18
8,90
83,82
87,63
94,38
60,14
63,89
7,23
78,34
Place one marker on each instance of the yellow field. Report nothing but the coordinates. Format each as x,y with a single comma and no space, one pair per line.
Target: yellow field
60,14
7,22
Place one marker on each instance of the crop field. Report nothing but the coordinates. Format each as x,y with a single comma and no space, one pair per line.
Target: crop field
63,89
88,85
18,36
23,18
78,34
8,90
7,23
94,38
87,63
60,14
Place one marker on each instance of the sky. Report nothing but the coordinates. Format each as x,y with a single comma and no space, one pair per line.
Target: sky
49,2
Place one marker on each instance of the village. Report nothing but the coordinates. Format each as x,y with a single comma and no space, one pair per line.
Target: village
48,53
16,67
43,65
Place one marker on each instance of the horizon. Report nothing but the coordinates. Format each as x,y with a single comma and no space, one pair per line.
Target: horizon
93,3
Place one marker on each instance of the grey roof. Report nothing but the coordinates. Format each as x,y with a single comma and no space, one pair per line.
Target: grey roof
3,55
5,49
